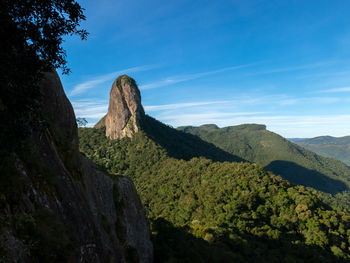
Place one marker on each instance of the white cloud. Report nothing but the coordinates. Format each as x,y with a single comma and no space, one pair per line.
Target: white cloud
336,90
295,68
182,78
309,100
90,109
180,105
284,100
89,84
203,118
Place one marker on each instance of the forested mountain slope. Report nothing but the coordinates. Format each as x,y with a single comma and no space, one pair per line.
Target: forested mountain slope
254,143
205,211
337,148
183,146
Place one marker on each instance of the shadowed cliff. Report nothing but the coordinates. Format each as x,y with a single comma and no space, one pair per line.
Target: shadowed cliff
56,206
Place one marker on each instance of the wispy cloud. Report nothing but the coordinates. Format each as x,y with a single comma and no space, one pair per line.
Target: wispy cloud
206,117
187,77
272,110
182,78
181,105
291,68
294,68
326,74
336,90
309,100
91,83
90,109
284,100
277,101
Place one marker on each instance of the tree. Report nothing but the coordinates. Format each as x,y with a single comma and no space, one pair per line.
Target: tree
31,34
39,26
81,122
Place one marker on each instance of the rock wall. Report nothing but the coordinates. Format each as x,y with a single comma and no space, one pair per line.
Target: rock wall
68,210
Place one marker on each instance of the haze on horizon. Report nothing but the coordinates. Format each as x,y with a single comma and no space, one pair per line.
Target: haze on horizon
285,64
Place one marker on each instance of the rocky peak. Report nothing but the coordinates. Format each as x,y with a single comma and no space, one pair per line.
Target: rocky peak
124,111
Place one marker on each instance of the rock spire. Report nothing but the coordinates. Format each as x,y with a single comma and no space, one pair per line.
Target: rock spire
125,110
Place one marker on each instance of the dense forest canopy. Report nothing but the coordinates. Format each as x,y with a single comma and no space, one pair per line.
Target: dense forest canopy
205,211
294,163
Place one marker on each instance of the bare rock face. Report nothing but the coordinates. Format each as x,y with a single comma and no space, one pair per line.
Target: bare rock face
57,108
124,111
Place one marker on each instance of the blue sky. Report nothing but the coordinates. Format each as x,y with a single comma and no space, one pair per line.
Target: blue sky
282,63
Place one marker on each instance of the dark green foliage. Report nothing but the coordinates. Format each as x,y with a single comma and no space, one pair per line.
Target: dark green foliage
300,166
205,211
81,122
339,201
177,244
338,148
31,37
131,255
181,145
40,26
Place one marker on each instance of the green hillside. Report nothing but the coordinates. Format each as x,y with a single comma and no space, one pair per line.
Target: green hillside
183,146
206,211
338,148
254,143
329,140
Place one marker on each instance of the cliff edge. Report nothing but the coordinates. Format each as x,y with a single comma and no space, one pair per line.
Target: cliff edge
56,205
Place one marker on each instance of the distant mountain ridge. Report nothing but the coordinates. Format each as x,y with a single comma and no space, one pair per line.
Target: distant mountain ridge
334,147
329,140
254,143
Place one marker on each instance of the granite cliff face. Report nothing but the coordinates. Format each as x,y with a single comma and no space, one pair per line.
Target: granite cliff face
62,208
124,111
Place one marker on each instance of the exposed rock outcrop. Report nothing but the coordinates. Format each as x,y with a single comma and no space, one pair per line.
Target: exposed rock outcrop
65,208
125,111
57,109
